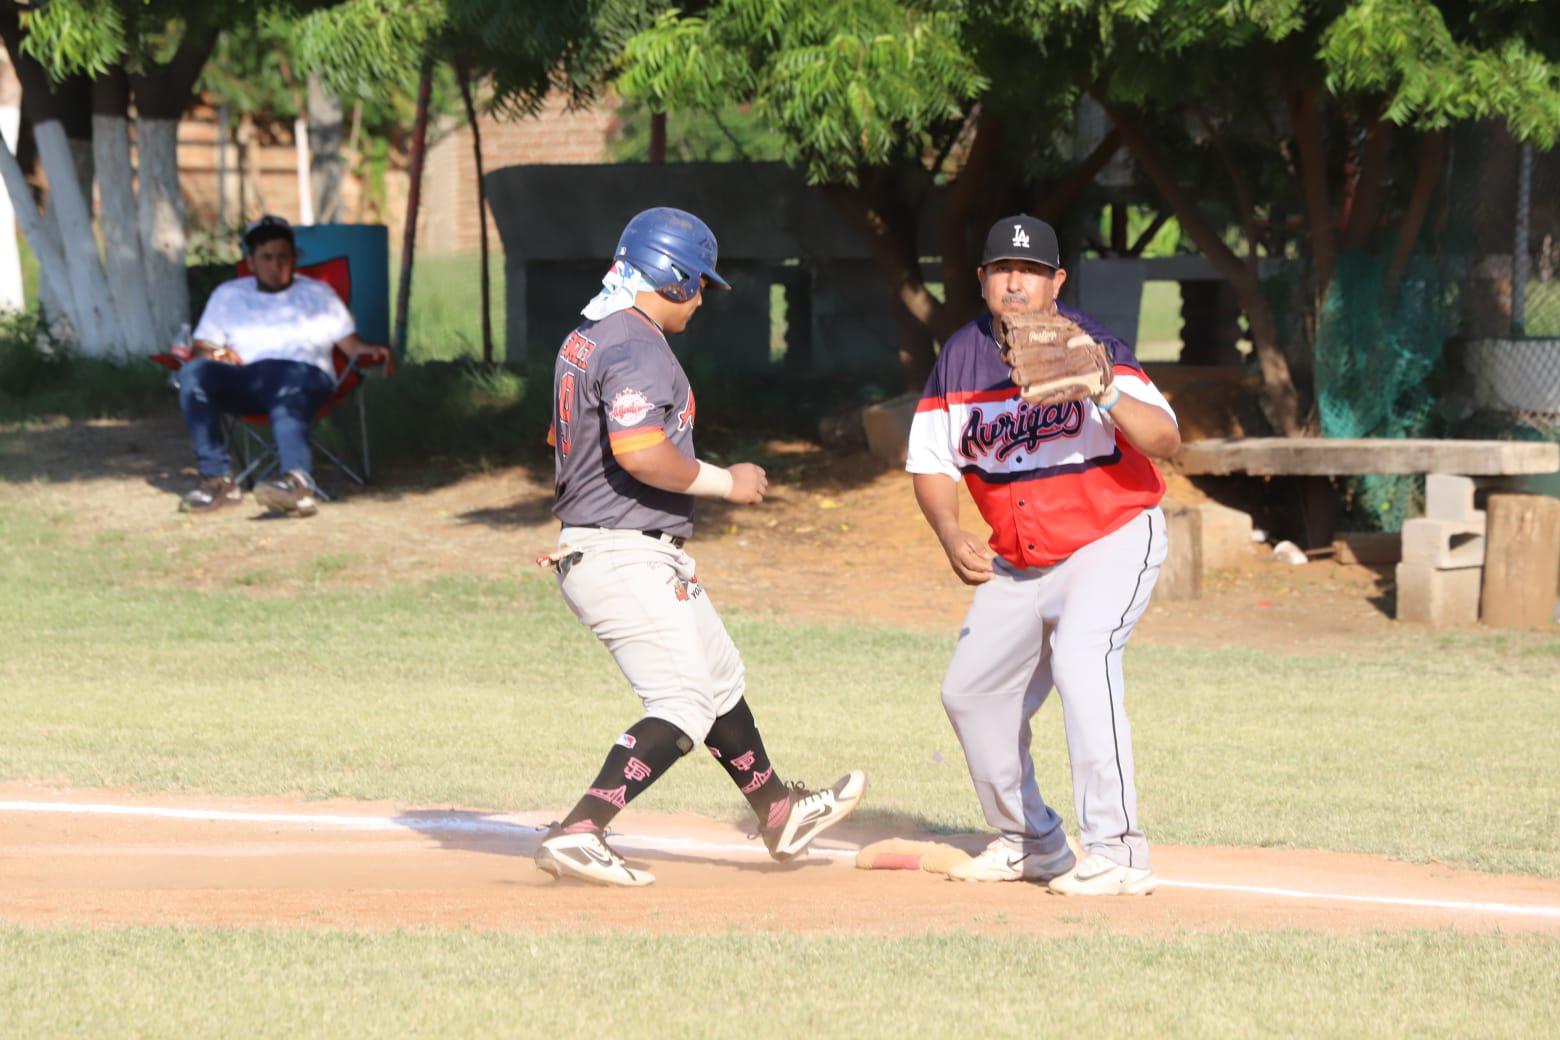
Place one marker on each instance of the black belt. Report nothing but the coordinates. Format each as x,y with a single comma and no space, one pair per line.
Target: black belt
676,541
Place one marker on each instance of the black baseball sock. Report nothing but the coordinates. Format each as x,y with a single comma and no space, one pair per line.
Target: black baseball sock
637,760
735,743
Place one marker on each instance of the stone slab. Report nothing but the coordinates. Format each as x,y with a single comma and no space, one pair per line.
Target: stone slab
1322,457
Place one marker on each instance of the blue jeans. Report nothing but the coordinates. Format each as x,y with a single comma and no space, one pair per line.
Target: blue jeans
287,392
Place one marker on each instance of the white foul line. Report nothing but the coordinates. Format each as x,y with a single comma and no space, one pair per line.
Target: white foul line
1435,904
456,823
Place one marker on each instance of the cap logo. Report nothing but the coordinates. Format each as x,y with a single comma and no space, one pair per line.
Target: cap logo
1020,239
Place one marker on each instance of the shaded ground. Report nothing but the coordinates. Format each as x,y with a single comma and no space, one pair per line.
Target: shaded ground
838,538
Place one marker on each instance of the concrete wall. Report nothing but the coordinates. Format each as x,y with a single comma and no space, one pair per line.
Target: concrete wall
559,225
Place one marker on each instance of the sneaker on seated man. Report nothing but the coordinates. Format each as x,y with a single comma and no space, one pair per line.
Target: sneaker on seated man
263,346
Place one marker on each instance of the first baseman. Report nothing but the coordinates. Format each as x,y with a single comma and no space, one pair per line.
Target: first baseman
627,477
1077,541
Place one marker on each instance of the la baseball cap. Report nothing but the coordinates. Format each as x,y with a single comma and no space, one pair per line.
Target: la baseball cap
1022,237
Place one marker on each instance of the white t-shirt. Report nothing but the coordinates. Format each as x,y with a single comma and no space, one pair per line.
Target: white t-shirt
300,323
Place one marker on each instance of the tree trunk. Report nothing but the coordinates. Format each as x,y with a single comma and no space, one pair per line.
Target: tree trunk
1364,208
658,137
476,147
161,96
162,224
63,233
403,296
11,296
117,220
1280,400
1305,114
53,276
1432,160
961,291
326,165
97,331
888,224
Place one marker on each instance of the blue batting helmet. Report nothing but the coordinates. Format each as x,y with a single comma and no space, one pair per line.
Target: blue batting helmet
672,248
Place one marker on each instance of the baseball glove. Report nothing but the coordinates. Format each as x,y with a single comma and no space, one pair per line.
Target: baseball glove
1053,360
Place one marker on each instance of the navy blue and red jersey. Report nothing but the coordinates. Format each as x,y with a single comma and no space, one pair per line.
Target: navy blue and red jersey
1048,480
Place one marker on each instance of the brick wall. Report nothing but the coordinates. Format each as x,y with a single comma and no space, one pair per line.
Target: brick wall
448,221
448,218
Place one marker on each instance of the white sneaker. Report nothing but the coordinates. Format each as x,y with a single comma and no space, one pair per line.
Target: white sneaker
812,813
1004,861
585,855
1098,876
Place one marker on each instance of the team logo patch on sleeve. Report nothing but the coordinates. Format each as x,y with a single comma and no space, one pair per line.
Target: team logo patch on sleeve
629,407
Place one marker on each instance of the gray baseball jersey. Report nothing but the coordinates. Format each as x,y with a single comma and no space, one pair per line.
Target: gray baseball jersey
617,387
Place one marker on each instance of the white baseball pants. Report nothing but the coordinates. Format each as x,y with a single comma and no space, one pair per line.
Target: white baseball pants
1065,625
640,597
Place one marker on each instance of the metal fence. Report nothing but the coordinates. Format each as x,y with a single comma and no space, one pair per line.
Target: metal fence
1504,227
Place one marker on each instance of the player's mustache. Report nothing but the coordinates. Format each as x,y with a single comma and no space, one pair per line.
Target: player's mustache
1015,297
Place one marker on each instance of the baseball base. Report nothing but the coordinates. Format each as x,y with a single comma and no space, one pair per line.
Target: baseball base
902,854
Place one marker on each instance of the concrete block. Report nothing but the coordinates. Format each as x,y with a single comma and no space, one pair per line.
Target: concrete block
1443,544
888,427
1181,575
1368,547
1438,598
1226,536
1448,497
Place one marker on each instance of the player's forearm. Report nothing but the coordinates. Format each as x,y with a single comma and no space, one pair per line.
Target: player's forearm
1149,429
938,497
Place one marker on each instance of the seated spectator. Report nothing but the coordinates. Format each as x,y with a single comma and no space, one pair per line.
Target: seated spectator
263,346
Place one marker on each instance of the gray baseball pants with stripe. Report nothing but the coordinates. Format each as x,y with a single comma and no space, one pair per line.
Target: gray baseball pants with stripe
1065,625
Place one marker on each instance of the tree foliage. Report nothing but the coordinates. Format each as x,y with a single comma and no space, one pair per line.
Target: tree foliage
847,84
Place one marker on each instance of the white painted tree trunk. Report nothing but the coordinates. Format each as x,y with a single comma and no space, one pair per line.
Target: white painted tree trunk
121,233
325,158
11,296
53,278
96,331
162,224
305,182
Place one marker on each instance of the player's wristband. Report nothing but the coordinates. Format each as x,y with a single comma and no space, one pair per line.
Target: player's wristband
1115,398
712,481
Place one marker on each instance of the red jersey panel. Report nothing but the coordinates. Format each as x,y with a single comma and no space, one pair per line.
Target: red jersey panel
1048,480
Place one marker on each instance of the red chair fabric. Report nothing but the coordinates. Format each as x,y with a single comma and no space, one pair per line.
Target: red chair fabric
336,273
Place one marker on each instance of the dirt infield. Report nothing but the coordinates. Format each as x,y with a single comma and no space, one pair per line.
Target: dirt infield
104,858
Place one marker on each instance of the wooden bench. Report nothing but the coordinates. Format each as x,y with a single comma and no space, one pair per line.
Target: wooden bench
1455,553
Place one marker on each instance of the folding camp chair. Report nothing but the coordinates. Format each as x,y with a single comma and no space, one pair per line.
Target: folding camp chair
256,452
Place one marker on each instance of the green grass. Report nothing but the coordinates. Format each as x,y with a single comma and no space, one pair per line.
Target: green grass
445,314
186,983
1159,322
450,691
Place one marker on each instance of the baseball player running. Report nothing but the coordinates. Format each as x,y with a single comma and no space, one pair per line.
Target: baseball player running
1063,478
627,476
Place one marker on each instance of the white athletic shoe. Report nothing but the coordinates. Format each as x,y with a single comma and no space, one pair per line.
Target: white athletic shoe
812,813
585,855
1002,861
1098,876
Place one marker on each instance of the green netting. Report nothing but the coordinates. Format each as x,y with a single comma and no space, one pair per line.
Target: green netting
1374,359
